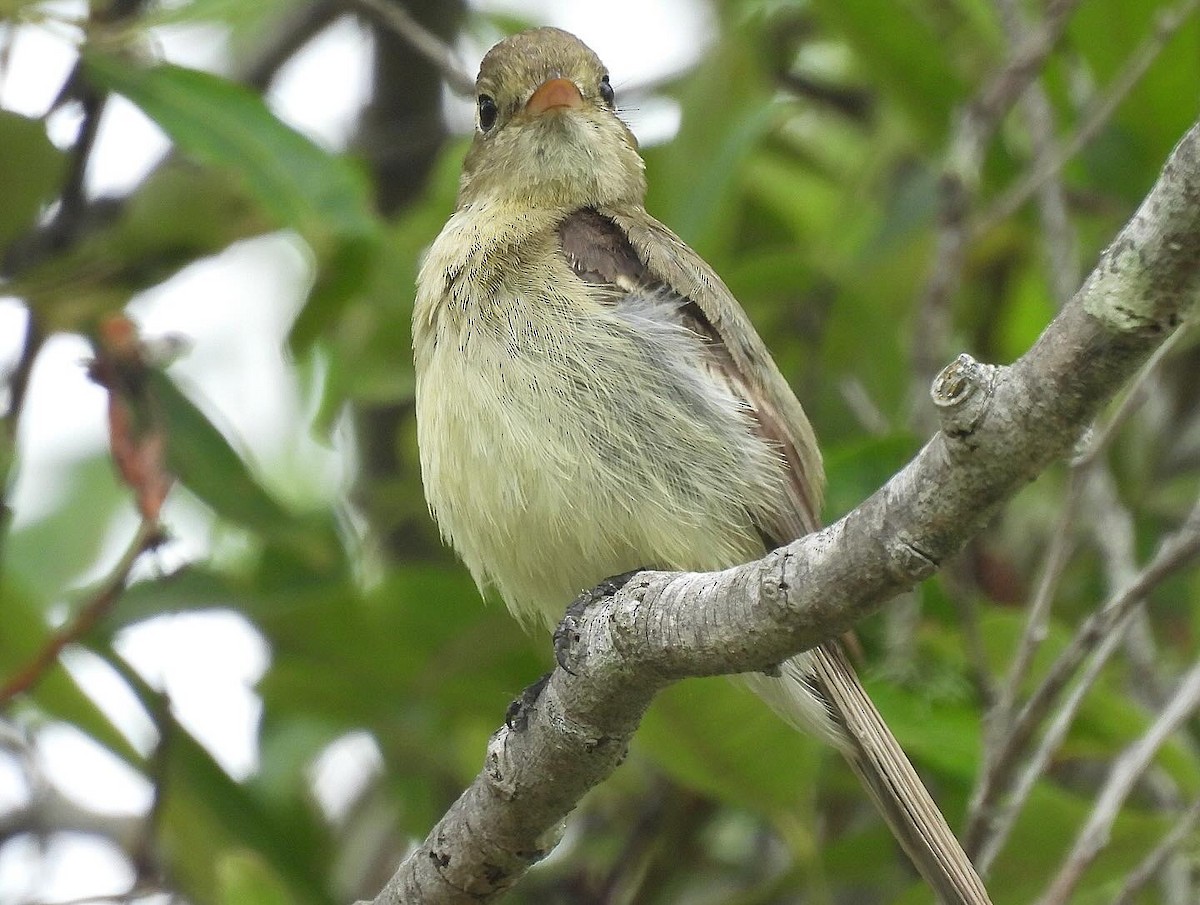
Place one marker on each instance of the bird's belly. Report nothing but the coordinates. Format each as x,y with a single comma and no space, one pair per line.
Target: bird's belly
548,474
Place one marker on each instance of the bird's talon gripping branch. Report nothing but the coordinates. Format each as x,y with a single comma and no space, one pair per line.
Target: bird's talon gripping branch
516,717
567,635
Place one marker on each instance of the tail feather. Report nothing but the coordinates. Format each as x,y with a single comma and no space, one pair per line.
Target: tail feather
819,692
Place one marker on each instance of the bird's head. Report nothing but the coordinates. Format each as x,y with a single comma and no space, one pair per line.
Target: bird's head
547,134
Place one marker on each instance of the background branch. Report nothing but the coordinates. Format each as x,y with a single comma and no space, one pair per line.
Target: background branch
1098,113
436,51
1126,771
147,537
1158,856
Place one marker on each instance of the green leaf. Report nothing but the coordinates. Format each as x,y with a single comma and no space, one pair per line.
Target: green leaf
365,366
247,880
31,169
1151,117
55,693
220,123
204,460
237,14
422,637
714,736
194,589
206,814
208,465
943,736
179,214
912,57
727,109
53,552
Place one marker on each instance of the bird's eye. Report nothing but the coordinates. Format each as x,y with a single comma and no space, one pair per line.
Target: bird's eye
487,112
606,92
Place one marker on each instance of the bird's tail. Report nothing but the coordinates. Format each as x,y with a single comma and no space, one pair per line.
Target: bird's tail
819,691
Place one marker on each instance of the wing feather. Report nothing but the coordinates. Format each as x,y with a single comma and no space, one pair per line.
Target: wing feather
635,253
632,252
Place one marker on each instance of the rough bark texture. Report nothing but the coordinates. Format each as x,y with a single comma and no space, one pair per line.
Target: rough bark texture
620,645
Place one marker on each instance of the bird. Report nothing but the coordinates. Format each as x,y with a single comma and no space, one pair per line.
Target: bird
591,399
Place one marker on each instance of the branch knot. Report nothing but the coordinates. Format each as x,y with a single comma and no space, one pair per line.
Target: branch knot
962,392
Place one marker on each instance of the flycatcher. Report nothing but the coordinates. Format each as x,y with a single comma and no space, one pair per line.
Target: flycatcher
591,399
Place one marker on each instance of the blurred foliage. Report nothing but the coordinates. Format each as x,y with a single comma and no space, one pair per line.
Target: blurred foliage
806,169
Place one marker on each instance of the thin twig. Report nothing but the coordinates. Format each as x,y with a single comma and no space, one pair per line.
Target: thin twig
1098,113
49,811
931,333
1060,240
421,39
1125,772
960,177
1153,862
149,535
1000,754
136,891
1111,526
144,856
1002,823
1037,619
1175,552
18,383
1003,89
862,407
297,27
982,675
61,233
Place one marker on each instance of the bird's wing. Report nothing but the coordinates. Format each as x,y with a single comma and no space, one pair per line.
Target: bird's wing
631,251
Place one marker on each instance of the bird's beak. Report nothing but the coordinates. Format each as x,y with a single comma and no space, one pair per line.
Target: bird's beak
552,95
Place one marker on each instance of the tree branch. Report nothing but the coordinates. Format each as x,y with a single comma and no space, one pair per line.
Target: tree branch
1097,637
1125,772
149,535
1046,167
999,825
623,642
1154,861
430,46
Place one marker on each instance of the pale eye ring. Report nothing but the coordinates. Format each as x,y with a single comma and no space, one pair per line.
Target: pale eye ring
488,111
606,91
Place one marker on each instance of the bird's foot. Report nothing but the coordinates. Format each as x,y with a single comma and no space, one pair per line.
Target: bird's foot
516,717
568,633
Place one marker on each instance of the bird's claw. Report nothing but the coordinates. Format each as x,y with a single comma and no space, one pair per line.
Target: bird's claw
516,717
568,634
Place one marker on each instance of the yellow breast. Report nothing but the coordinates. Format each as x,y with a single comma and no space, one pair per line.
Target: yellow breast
567,436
